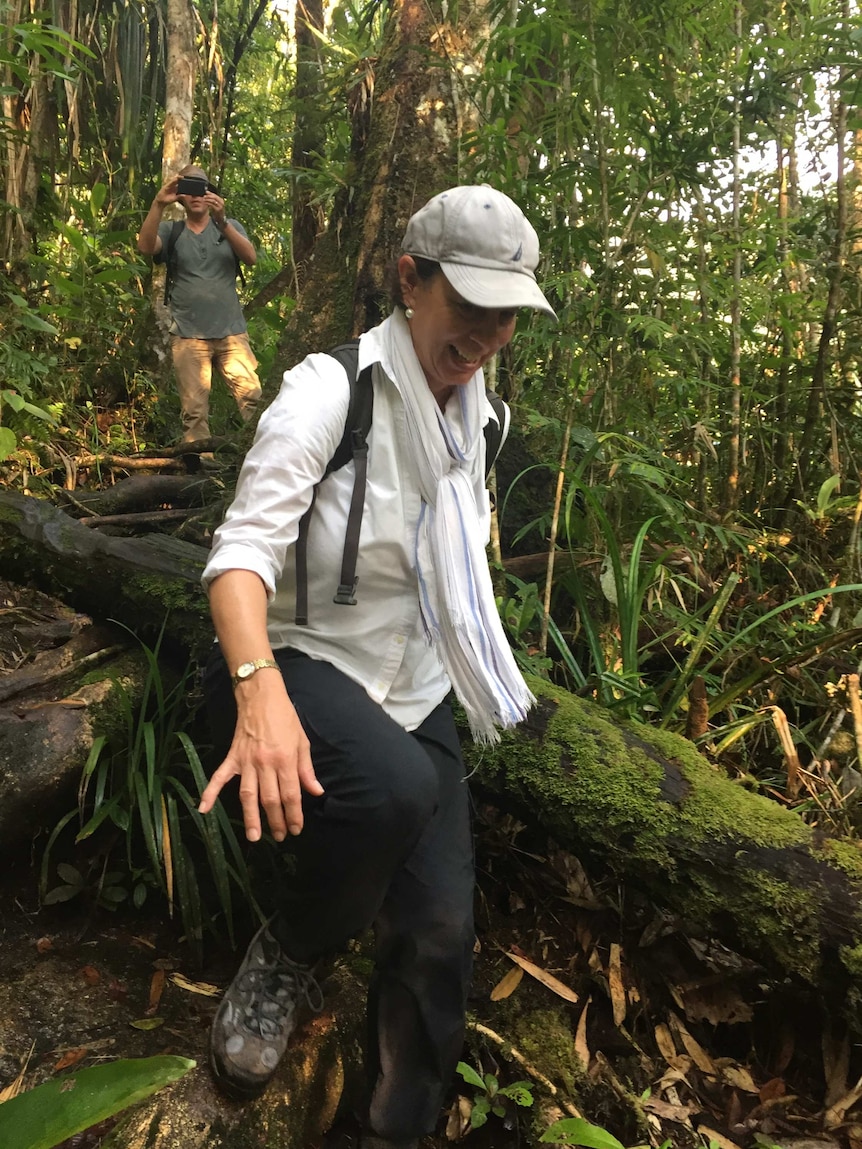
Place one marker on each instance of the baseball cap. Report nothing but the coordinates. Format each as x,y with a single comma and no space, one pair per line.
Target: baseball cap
486,247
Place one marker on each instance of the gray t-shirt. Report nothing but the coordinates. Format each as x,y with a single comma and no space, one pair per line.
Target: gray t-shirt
204,303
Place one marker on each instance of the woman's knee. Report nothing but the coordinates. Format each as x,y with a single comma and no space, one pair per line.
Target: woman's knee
405,794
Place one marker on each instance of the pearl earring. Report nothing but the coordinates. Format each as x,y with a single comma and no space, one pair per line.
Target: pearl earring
409,312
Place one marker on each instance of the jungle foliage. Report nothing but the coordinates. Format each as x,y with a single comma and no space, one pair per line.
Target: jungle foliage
690,429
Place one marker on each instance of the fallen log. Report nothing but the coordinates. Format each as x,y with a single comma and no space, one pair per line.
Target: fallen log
139,582
145,493
733,865
640,801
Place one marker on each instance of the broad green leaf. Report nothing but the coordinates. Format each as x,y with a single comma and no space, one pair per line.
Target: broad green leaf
35,323
15,401
470,1075
55,1111
97,197
577,1131
8,442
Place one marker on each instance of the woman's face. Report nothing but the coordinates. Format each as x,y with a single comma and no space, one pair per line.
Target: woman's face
451,337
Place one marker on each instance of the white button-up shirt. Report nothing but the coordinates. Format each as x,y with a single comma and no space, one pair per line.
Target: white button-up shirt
380,642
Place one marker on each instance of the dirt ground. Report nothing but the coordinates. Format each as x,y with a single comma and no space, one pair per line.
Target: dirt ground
685,1044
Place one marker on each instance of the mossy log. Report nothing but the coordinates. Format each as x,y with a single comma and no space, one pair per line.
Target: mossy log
141,582
733,865
730,863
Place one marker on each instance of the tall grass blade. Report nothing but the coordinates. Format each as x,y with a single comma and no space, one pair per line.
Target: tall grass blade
684,676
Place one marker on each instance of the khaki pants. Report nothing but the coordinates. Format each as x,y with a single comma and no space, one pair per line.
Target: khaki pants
193,364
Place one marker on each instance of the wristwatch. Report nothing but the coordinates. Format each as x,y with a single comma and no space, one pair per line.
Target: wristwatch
247,669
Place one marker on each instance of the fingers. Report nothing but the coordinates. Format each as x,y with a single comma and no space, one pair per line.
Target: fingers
224,774
307,778
272,784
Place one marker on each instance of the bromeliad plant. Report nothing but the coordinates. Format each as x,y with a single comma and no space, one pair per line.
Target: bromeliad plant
147,786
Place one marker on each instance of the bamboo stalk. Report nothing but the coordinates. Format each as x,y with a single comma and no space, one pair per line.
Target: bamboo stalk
555,523
856,711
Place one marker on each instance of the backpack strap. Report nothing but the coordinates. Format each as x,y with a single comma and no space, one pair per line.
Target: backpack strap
170,257
497,432
353,445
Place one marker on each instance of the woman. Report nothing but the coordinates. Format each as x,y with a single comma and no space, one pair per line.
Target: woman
343,732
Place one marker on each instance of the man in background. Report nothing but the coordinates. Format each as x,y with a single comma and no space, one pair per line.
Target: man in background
203,257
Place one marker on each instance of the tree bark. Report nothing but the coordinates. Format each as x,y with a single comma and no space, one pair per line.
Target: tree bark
407,119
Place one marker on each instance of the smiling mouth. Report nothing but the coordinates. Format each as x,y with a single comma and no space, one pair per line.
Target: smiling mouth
467,362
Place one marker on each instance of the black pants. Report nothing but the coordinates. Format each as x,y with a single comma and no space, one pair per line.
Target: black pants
388,845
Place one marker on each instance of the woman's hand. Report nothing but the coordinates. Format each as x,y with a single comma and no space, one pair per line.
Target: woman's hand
271,756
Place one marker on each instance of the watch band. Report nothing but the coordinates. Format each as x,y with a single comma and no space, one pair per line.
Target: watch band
247,669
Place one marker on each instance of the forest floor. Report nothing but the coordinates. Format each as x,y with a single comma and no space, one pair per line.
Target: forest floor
585,990
686,1045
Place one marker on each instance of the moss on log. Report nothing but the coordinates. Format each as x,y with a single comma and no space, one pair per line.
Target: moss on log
733,864
137,581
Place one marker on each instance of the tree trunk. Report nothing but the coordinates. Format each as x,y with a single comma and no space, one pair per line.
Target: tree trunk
28,113
408,117
309,135
139,582
179,111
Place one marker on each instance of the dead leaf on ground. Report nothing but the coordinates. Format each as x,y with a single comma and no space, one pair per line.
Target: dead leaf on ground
693,1048
71,1057
147,1023
157,986
578,888
584,935
668,1112
143,943
771,1089
836,1112
90,975
717,1004
673,1074
458,1123
202,987
547,979
615,980
736,1075
713,1135
664,1041
582,1049
507,984
16,1086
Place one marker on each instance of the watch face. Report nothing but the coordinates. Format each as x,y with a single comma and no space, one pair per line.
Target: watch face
246,669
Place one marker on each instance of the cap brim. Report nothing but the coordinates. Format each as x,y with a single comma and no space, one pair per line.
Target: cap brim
490,287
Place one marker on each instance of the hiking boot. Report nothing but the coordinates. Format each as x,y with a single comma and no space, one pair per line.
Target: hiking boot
257,1015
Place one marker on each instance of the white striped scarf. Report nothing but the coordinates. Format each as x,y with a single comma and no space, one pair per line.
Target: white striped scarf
455,591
